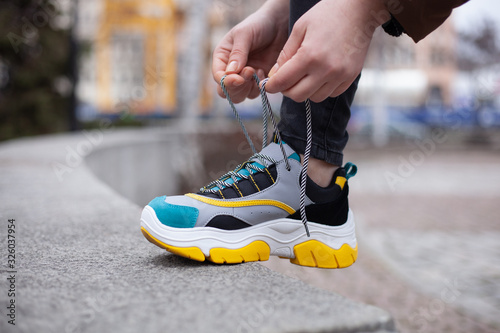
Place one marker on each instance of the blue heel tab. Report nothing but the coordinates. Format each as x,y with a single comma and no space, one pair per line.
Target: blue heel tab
351,169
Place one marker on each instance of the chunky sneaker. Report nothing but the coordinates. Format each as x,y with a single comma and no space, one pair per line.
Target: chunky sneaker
266,206
253,212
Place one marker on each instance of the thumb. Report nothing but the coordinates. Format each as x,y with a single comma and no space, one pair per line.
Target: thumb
279,82
239,54
289,50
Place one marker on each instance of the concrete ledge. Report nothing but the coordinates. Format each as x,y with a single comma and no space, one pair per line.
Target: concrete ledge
83,265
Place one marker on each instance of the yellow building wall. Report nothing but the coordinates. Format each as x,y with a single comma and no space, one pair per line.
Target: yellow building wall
154,21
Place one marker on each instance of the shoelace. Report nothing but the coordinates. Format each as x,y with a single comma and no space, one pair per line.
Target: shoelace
244,170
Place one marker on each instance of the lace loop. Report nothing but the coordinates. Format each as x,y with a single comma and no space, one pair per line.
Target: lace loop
236,114
267,109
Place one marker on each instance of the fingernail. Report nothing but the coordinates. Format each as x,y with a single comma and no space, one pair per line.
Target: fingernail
274,70
233,65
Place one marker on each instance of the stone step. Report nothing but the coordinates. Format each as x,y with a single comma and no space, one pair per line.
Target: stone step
83,265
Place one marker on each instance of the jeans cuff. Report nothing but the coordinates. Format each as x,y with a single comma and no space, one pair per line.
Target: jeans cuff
317,151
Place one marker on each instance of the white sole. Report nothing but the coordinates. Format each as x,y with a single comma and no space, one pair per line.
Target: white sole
327,246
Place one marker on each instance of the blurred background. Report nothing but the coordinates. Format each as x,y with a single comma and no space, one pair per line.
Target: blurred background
427,222
65,64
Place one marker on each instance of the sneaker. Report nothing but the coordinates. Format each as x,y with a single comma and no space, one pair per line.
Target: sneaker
254,212
266,206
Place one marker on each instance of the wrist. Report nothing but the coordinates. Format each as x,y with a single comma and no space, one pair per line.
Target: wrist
373,11
277,10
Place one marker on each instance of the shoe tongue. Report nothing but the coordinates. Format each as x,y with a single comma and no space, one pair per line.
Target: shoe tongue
273,150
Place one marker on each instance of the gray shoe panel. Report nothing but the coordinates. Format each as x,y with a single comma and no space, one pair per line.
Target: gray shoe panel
286,189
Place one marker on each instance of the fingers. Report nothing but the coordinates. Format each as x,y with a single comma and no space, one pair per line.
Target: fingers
231,55
242,40
240,86
229,58
304,76
342,88
300,91
310,87
323,93
220,59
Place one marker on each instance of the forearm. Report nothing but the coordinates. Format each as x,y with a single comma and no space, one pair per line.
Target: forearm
277,10
374,10
363,16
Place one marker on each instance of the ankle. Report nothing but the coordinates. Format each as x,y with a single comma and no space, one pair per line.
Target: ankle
320,171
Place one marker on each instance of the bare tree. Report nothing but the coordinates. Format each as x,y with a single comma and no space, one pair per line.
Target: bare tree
478,51
479,48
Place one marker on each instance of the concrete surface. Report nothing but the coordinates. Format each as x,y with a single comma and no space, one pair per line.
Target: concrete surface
82,265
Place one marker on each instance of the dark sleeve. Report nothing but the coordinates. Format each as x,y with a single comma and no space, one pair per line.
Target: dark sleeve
418,18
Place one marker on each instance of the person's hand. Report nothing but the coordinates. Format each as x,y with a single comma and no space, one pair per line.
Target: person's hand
251,47
326,49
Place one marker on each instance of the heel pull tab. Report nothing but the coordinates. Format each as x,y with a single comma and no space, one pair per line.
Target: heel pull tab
351,169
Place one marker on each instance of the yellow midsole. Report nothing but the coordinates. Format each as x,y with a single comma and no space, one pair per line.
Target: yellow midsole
310,253
313,253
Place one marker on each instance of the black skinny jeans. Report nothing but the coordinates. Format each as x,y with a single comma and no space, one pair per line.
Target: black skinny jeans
329,118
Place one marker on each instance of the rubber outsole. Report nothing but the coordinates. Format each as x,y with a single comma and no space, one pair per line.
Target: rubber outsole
311,253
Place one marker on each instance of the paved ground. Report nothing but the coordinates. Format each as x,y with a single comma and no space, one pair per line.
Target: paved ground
428,237
81,264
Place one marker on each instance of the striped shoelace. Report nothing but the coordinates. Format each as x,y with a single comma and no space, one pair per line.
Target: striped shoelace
244,170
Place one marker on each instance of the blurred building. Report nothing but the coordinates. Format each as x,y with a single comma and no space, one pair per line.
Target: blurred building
128,55
135,55
409,74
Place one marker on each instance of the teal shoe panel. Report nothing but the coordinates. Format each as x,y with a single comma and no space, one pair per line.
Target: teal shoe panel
175,216
294,156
